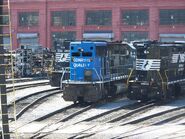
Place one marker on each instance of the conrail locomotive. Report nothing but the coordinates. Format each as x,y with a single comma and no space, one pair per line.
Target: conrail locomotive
97,69
159,72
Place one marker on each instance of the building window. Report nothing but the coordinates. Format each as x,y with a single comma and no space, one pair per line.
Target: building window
63,18
5,19
172,16
106,35
59,37
6,41
101,17
28,39
132,36
135,17
28,18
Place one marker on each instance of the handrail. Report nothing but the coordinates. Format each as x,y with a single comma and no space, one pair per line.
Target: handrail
129,76
61,79
97,74
163,83
120,71
166,77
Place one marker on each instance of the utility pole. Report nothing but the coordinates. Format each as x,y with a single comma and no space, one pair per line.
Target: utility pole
5,134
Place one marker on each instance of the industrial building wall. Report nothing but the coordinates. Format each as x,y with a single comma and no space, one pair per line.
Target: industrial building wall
54,21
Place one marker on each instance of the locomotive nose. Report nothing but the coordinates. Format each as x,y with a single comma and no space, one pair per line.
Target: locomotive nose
88,75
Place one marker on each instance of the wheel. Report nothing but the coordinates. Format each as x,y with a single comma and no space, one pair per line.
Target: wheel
170,92
177,89
144,98
104,94
81,100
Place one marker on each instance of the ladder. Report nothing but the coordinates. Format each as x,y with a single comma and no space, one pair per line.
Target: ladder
6,65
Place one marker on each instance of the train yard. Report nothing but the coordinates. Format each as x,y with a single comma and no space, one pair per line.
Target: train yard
42,113
76,72
97,90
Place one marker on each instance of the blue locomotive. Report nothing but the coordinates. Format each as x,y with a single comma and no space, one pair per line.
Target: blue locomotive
160,71
97,69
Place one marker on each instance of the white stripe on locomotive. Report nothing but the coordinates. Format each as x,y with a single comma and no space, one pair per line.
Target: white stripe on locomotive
148,64
178,58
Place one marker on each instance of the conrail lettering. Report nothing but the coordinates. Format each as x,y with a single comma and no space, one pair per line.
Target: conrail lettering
81,60
81,65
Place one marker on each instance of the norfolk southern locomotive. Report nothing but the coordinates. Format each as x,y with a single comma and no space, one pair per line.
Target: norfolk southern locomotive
60,64
97,70
160,71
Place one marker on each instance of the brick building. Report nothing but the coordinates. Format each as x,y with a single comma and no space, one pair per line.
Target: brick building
49,22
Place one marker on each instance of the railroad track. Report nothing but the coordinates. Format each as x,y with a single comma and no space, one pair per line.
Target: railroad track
133,113
158,116
74,111
18,80
120,113
61,122
116,115
26,102
162,117
20,87
64,123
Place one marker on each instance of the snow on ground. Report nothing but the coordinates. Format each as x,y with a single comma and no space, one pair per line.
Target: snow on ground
181,121
107,131
104,131
27,83
52,104
90,113
49,106
24,92
96,111
152,132
169,106
105,108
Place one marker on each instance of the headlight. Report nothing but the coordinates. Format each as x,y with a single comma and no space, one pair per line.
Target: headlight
88,73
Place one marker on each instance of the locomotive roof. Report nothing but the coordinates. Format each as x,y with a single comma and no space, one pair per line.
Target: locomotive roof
98,43
159,44
130,45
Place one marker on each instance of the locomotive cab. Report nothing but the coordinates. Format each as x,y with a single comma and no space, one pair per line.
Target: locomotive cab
88,68
159,71
60,64
87,61
146,77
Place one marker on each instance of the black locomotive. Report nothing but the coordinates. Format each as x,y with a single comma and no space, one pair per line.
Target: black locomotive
60,64
159,71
